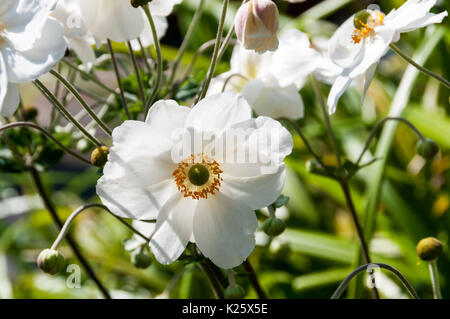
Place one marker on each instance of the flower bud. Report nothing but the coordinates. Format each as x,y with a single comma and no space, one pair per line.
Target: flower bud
29,113
50,261
99,156
427,148
234,291
273,226
429,249
138,3
256,25
140,260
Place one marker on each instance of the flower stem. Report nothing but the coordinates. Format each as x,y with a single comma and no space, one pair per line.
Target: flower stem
420,68
362,268
215,55
187,39
51,209
378,126
83,103
47,134
216,286
159,60
254,280
119,83
49,95
432,266
137,71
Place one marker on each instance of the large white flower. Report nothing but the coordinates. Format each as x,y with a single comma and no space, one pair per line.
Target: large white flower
119,21
204,191
31,43
270,81
358,45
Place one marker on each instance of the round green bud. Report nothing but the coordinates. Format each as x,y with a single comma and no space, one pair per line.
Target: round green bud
138,3
361,18
99,156
50,261
140,260
429,249
427,148
273,226
234,292
29,113
198,175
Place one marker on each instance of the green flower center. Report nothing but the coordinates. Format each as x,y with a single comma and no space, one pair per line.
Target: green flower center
198,175
360,19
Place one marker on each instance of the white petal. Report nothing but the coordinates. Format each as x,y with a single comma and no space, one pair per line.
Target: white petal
165,116
162,7
224,230
218,112
343,51
340,85
161,26
9,93
173,229
23,66
84,51
268,98
370,73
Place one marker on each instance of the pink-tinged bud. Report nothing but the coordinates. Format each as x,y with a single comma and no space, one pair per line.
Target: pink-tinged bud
256,25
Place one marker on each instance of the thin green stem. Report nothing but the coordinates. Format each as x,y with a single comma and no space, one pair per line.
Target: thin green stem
159,59
216,286
138,73
432,266
119,83
419,67
64,112
215,55
47,134
51,209
187,40
88,75
254,280
326,118
337,294
83,103
144,55
378,126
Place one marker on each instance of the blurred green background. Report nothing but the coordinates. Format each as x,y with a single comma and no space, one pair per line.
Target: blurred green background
319,248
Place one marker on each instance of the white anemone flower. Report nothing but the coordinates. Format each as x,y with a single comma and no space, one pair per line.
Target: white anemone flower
31,43
197,192
76,33
119,21
359,44
271,81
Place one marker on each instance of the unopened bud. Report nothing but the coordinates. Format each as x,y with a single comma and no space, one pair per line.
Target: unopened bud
234,291
99,156
256,24
141,260
273,226
427,148
139,3
429,249
50,261
29,113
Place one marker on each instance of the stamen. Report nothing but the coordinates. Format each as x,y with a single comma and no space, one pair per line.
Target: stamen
366,29
198,176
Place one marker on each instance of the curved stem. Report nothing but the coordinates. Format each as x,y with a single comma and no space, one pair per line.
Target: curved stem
81,209
254,280
304,139
137,71
378,126
119,83
159,60
432,266
215,55
47,134
326,118
419,67
50,207
83,103
88,75
337,294
364,246
229,79
187,39
63,111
